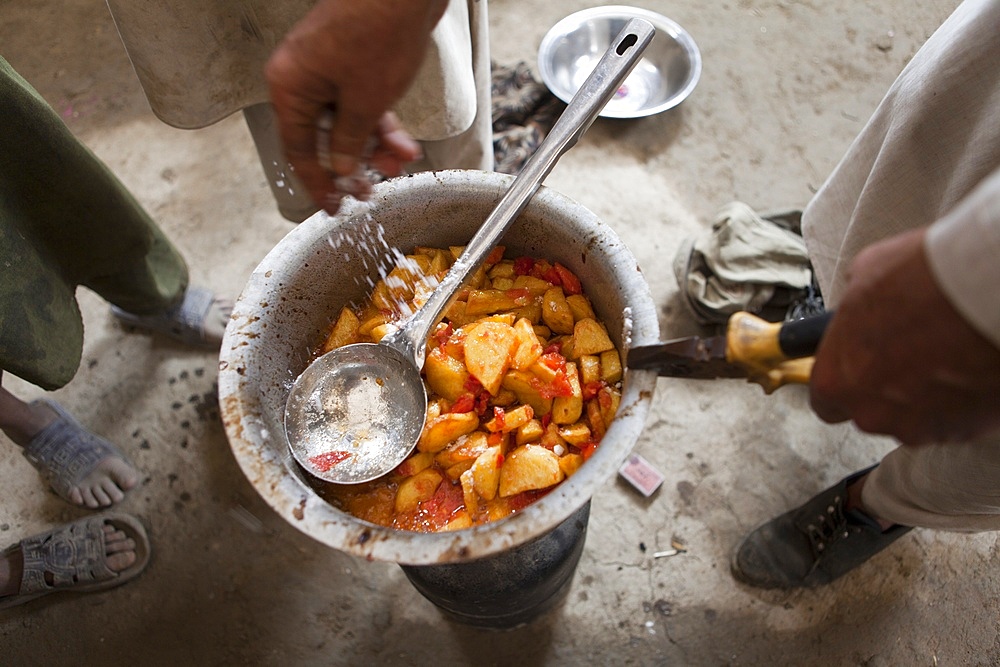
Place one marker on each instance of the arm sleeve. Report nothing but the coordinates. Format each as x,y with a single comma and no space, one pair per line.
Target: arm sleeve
963,249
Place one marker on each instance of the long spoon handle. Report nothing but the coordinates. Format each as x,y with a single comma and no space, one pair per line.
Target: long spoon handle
583,109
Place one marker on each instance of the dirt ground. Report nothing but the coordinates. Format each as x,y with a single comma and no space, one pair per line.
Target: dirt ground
785,87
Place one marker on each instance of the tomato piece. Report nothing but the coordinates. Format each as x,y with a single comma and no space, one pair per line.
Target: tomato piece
559,386
323,462
500,416
540,268
437,511
520,501
570,283
464,403
523,266
482,402
592,389
520,295
552,276
587,449
604,399
495,255
442,334
553,360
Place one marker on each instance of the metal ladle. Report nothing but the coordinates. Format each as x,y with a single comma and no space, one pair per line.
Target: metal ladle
356,412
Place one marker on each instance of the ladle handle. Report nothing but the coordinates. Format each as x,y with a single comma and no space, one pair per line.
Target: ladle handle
581,112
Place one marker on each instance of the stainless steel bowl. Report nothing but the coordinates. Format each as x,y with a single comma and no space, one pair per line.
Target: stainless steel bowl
299,287
666,75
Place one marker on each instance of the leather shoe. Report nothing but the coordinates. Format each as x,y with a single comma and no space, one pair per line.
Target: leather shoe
813,544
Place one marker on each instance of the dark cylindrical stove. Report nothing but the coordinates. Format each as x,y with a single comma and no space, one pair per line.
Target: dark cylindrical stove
512,587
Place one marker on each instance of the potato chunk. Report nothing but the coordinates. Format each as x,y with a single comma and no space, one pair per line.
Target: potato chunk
510,420
590,369
344,332
414,490
416,463
556,312
441,430
446,376
570,463
590,337
525,387
528,468
567,409
488,350
483,302
465,448
486,473
611,366
530,431
580,305
528,347
469,491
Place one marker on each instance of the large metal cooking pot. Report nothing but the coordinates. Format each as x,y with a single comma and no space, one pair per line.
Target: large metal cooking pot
299,287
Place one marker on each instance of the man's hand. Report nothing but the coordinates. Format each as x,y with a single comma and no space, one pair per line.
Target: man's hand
336,74
899,360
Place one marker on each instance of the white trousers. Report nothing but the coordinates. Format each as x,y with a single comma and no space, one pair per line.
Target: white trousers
930,157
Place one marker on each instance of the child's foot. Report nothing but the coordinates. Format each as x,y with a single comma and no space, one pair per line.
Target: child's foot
81,467
93,554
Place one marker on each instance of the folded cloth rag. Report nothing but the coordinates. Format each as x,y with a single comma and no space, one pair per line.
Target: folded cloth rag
747,262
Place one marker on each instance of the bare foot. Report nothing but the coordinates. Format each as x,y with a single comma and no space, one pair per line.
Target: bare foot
106,485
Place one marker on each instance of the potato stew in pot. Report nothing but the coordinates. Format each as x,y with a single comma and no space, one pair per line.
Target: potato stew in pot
522,382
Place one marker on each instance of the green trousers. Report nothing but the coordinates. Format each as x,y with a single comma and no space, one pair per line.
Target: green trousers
66,221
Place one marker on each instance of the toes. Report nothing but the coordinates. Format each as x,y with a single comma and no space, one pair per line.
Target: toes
105,486
112,492
120,561
124,475
89,500
119,543
101,496
119,549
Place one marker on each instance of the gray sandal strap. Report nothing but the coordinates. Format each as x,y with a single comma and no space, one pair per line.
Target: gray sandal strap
72,558
68,556
65,452
184,322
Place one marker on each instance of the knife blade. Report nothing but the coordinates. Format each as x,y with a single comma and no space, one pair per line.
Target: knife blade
770,354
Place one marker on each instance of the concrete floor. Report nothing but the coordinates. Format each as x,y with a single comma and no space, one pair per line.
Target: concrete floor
785,87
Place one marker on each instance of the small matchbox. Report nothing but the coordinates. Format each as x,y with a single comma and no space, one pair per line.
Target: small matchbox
641,474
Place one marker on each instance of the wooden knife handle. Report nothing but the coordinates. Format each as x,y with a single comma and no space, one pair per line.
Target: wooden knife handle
774,354
793,371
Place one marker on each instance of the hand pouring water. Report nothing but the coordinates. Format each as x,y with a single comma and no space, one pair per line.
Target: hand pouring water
356,412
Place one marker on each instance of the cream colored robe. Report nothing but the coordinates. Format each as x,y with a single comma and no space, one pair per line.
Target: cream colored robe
201,60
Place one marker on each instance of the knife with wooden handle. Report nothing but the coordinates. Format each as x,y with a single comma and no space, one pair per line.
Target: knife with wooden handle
770,354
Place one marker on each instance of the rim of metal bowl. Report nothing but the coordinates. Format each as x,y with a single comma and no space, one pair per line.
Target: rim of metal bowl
659,21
